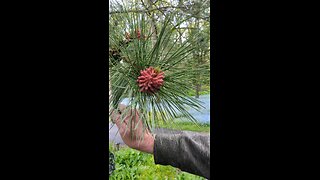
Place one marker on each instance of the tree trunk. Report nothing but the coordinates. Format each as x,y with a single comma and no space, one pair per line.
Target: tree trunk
198,89
198,56
109,86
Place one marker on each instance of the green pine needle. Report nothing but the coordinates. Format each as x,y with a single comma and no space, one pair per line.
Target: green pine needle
172,100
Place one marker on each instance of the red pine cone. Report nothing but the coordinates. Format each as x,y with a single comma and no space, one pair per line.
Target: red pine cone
150,80
138,33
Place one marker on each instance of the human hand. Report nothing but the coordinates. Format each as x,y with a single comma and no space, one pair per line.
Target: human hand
131,135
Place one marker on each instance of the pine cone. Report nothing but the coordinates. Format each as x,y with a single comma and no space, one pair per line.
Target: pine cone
150,80
127,35
138,34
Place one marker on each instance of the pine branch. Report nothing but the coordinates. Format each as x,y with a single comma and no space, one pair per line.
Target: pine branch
171,99
148,10
161,9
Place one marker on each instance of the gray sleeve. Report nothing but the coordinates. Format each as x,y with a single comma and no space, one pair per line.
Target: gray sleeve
185,150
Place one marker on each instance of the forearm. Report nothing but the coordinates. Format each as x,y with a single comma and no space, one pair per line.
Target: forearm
185,150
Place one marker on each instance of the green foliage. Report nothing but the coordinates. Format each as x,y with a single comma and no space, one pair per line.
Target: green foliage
180,47
132,165
141,53
205,89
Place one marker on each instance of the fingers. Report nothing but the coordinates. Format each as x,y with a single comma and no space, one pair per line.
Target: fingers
118,120
127,119
116,112
117,116
138,121
122,107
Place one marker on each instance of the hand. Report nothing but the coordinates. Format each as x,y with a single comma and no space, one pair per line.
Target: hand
145,145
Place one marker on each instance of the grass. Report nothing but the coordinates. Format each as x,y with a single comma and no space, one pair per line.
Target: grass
187,126
132,164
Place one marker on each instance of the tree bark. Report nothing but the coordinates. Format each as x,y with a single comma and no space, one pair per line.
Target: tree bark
198,89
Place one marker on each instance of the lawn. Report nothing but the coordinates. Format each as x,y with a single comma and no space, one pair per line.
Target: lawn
187,126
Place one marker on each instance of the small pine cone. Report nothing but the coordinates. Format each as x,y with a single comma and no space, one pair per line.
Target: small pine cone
127,36
138,34
150,80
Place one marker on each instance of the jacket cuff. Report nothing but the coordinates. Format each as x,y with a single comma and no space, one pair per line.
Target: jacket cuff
166,149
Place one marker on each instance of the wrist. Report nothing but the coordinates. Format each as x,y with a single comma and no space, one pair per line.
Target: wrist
148,144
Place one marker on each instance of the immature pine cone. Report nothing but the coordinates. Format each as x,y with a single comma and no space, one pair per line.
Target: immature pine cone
138,33
150,80
127,36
